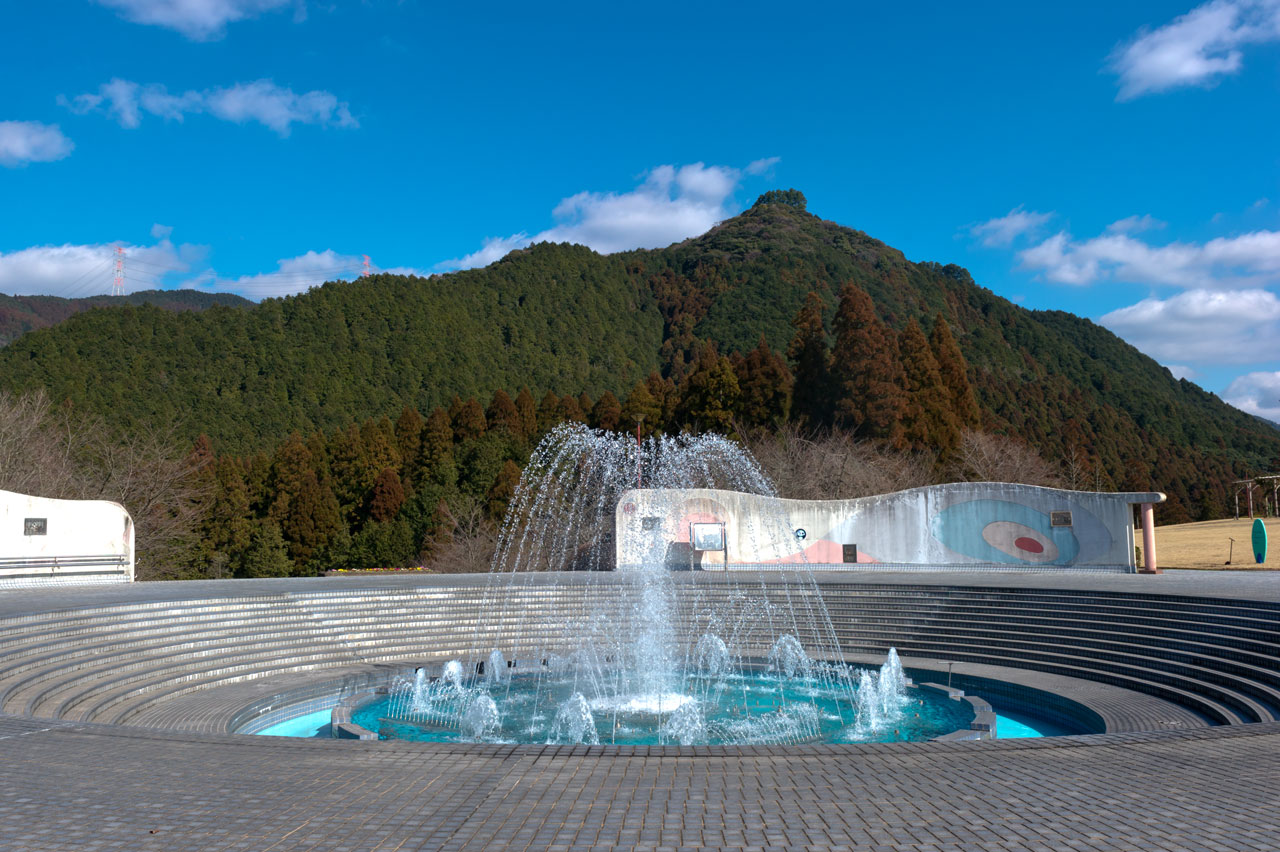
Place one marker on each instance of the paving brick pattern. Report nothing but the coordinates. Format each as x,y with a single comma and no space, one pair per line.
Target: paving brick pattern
83,787
68,785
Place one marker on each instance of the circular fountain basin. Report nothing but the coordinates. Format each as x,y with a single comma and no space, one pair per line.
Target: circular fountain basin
741,709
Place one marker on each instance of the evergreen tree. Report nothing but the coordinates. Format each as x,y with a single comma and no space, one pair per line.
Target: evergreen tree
642,408
955,374
528,411
469,422
227,525
928,420
435,453
586,405
265,553
607,412
549,413
766,385
409,441
709,397
571,410
387,496
810,403
504,488
312,520
866,370
289,468
664,394
502,414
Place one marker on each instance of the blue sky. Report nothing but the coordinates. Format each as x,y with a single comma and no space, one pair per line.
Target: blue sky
1119,161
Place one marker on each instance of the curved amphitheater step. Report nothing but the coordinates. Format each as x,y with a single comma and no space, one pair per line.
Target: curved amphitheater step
1139,661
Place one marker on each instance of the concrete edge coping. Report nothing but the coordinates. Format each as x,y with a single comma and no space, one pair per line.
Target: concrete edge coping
340,725
982,727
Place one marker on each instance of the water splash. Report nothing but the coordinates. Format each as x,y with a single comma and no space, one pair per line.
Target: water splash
480,718
495,671
626,648
711,656
881,697
787,657
574,723
687,726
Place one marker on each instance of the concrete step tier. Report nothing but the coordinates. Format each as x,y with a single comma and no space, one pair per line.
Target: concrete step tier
1173,661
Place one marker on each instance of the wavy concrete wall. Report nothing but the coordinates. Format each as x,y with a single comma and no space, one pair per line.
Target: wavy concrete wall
964,525
47,540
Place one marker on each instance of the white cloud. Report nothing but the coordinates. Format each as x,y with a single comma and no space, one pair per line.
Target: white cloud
294,275
670,205
260,101
1196,49
1181,371
1135,225
75,271
23,142
761,166
494,248
1244,260
199,20
1203,327
1256,393
1005,229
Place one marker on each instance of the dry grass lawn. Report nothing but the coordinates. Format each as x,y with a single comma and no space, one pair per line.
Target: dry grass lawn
1204,545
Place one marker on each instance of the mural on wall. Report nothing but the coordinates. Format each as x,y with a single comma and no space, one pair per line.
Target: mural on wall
968,525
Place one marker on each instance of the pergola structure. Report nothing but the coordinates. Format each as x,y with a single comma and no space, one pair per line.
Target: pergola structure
1247,486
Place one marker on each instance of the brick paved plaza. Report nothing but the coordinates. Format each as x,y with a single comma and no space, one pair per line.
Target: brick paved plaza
71,784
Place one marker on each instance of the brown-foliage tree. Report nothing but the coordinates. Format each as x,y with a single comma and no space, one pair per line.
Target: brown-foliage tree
928,420
955,374
766,386
502,414
387,496
607,412
866,370
811,360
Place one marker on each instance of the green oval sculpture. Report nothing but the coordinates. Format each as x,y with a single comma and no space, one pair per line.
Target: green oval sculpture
1259,541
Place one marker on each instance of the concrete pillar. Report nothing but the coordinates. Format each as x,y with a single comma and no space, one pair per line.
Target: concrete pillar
1149,539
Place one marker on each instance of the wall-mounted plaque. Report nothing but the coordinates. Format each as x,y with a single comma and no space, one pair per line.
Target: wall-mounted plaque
707,537
1060,519
35,526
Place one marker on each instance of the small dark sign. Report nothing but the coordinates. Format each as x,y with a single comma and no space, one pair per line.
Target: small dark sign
850,552
1060,519
800,534
649,524
35,526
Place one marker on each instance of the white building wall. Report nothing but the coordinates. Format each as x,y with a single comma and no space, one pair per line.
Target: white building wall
81,541
968,525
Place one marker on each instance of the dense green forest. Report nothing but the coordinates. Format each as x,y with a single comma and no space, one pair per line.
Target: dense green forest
366,422
20,314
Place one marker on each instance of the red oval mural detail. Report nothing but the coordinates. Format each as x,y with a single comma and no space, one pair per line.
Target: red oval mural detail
1028,544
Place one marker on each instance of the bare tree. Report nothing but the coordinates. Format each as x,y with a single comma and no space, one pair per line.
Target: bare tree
468,540
833,465
998,458
61,453
1077,474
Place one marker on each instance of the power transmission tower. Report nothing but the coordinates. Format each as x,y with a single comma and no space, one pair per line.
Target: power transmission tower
117,283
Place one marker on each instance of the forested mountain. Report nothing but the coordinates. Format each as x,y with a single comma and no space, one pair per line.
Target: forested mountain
20,314
562,319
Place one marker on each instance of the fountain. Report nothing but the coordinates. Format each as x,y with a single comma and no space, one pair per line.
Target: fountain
650,657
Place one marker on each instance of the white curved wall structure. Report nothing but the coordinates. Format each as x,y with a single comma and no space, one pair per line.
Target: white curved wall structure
962,525
43,540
